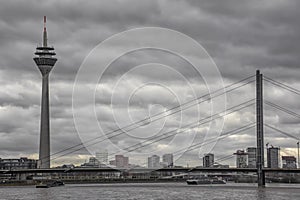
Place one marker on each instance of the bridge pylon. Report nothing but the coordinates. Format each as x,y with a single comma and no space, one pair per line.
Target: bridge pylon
259,130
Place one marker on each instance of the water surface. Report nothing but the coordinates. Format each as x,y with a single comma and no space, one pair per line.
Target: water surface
143,191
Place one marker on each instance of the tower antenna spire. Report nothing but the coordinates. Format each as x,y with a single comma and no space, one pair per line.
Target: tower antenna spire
45,33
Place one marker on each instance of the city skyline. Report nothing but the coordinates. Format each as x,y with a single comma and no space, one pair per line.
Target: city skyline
75,36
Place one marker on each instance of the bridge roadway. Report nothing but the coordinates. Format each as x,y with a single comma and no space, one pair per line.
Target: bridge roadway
145,170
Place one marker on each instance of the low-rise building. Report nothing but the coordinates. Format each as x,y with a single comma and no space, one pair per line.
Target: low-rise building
289,162
93,163
18,163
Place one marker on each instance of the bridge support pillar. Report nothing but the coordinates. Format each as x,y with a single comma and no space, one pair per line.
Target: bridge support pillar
259,130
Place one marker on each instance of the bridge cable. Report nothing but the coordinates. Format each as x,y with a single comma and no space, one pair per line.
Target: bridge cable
282,109
189,126
223,136
197,124
282,85
284,133
179,106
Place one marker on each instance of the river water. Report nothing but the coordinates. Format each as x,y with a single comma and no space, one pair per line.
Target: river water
144,191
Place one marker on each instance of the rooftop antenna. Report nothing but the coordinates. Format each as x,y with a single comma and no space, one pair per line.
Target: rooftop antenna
45,33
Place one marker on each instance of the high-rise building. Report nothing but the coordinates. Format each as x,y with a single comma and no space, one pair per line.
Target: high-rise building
208,160
289,162
273,157
251,151
241,159
153,161
121,161
102,156
168,160
45,61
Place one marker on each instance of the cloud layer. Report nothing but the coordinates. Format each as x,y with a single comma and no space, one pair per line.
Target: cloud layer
240,36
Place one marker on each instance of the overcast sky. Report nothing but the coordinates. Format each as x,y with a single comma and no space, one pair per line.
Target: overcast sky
239,37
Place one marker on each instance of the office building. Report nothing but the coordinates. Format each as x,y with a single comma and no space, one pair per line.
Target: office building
208,160
251,151
273,157
121,161
241,159
168,160
153,161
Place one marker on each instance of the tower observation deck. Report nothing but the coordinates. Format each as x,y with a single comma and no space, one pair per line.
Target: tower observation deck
45,61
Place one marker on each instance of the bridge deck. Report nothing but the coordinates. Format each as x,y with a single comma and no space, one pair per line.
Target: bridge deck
145,170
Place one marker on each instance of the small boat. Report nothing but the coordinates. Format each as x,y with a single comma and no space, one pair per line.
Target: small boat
50,184
205,181
42,185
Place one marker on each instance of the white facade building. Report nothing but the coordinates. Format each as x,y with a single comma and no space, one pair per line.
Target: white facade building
153,161
241,159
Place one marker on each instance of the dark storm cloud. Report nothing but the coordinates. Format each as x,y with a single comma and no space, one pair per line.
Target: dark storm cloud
241,36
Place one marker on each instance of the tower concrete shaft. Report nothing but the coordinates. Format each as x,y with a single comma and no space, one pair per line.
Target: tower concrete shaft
45,62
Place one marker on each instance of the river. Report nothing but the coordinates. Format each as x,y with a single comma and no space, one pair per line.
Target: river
144,191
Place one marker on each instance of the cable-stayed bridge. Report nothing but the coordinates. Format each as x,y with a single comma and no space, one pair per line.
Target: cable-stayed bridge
259,102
